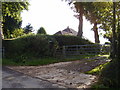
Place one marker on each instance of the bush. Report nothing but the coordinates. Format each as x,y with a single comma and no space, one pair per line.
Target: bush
110,75
30,46
70,40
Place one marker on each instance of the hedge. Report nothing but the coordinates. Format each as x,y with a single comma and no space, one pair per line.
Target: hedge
30,46
38,45
70,40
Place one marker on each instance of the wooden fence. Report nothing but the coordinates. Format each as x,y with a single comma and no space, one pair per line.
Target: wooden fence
91,49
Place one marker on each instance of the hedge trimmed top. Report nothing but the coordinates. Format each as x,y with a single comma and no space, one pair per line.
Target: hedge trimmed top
39,45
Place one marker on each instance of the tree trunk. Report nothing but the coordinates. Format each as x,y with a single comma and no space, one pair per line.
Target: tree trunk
1,32
96,36
80,27
114,43
118,30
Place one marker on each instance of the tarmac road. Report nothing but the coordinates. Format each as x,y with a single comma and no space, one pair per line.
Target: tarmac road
14,79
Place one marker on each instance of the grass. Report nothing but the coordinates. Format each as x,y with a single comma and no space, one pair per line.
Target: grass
97,70
105,55
33,62
98,86
41,61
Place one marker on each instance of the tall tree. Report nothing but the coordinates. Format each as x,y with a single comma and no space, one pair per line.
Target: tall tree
114,37
108,13
9,25
88,10
13,10
91,15
1,31
80,9
118,29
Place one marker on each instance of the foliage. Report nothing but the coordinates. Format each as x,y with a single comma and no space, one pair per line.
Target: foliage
70,40
91,15
97,70
14,9
17,33
9,25
41,30
28,29
87,9
110,75
105,10
29,46
11,12
98,86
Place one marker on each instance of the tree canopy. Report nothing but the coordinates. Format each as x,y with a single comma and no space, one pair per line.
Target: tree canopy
11,13
41,30
28,29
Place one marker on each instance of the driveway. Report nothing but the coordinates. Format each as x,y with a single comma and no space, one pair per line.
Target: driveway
13,79
58,75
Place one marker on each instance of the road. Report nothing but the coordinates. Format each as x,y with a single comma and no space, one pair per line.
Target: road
13,79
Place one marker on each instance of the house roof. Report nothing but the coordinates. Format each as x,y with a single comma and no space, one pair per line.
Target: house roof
67,31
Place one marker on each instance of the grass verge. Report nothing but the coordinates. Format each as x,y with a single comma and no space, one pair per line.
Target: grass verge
41,61
97,70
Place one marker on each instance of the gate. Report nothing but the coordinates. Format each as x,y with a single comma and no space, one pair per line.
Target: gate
90,49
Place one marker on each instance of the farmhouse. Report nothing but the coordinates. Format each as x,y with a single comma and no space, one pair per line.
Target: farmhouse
67,31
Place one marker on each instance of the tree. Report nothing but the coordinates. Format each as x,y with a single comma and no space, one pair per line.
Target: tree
28,29
91,15
114,37
87,9
109,13
118,30
41,30
17,32
12,10
79,6
9,25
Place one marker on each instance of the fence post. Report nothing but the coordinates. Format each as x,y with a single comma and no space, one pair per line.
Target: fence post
77,50
3,52
63,51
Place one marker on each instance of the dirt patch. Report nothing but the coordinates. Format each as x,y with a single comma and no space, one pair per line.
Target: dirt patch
69,74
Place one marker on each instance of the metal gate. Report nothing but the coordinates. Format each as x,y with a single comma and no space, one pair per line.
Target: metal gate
90,49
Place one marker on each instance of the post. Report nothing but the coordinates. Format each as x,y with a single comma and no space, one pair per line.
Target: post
77,50
63,51
3,51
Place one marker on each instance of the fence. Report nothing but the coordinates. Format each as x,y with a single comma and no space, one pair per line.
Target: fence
91,49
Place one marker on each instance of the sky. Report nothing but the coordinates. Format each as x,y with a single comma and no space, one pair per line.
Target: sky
54,16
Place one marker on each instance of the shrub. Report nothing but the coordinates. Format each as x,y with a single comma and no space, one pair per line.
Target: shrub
110,74
30,46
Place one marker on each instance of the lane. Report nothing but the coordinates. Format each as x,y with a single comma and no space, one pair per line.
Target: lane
13,79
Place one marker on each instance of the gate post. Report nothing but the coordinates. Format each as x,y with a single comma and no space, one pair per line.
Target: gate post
64,52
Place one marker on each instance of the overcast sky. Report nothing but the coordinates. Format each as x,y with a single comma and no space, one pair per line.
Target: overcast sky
54,15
